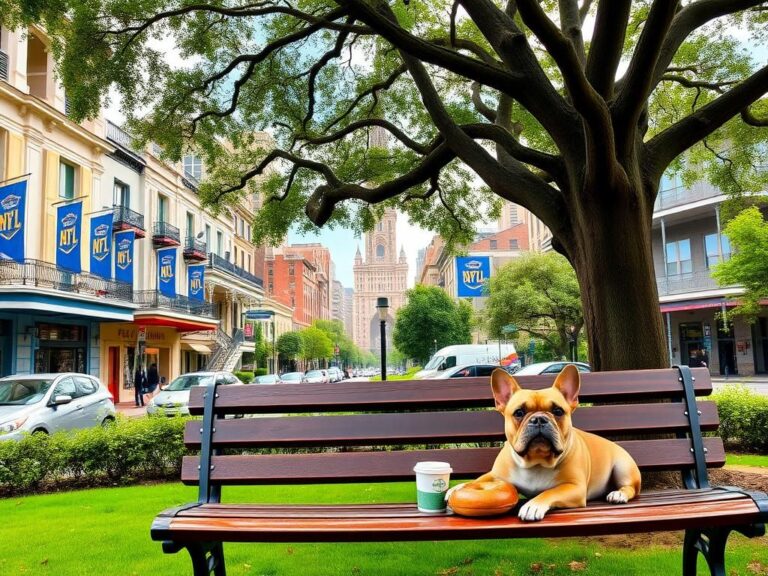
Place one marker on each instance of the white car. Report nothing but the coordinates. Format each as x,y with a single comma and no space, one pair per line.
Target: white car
316,377
465,371
174,399
550,368
49,403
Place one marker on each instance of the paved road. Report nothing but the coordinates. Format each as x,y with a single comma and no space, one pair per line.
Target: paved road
759,384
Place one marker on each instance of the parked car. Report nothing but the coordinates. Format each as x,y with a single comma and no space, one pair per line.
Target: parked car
550,368
267,379
316,377
174,398
293,378
52,402
465,371
335,374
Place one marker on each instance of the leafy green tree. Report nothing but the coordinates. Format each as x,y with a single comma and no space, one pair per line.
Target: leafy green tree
348,351
539,294
576,123
748,265
289,345
315,344
430,320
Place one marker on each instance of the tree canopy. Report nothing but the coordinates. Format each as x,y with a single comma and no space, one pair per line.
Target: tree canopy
315,344
539,294
748,264
429,321
289,345
573,109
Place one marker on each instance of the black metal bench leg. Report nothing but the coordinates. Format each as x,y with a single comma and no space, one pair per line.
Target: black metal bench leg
711,543
207,559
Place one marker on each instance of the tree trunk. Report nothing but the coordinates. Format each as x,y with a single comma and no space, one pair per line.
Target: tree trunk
613,258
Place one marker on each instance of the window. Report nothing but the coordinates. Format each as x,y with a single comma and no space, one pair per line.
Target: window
219,243
193,166
162,208
380,251
249,263
679,257
240,227
291,269
66,388
66,180
122,194
380,226
513,244
712,251
85,386
190,225
493,244
270,271
208,236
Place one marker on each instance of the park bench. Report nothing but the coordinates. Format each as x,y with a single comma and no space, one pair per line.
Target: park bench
443,420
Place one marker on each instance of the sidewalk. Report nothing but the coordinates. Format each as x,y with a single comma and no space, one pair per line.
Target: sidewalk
130,409
736,379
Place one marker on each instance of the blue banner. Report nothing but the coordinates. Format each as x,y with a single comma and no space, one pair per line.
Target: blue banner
124,256
13,201
166,272
472,272
196,282
101,245
68,217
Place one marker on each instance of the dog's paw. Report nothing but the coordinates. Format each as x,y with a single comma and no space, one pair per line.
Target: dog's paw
453,489
532,511
617,497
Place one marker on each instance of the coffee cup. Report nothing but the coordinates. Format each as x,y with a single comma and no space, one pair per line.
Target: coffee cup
431,485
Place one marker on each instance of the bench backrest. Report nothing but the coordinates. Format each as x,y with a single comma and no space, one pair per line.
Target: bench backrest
377,431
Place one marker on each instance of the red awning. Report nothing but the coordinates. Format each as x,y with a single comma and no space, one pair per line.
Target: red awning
178,323
697,304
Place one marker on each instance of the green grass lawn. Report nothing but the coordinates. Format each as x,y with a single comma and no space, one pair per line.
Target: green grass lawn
747,460
105,532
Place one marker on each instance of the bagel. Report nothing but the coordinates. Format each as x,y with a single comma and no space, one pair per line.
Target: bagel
483,498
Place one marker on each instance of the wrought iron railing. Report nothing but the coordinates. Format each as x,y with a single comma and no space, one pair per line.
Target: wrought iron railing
120,136
3,66
680,195
192,244
226,349
216,262
166,230
36,273
154,299
190,182
124,215
682,283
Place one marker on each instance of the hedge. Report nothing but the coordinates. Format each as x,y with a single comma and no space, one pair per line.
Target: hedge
130,449
743,418
245,377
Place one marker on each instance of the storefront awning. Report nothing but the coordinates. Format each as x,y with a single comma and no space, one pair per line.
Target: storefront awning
42,304
697,304
196,347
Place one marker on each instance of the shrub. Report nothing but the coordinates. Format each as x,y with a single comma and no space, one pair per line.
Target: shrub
743,418
131,449
260,372
245,377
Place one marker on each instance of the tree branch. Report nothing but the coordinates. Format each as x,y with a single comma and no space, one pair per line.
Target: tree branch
483,108
749,118
366,123
570,24
607,45
667,145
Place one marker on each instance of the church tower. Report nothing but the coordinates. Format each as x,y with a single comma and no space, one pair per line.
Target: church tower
384,273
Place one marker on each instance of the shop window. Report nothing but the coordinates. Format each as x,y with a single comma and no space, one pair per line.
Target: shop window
679,257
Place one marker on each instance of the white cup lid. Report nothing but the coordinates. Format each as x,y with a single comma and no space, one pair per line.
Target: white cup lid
432,468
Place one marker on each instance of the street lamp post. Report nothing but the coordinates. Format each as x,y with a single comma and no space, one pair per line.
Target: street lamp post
382,304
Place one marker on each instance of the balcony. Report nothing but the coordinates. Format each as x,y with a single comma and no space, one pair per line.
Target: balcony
194,249
216,262
123,218
125,153
39,274
681,195
3,66
148,299
684,283
164,235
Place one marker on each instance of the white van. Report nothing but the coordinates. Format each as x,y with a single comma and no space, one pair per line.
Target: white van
461,354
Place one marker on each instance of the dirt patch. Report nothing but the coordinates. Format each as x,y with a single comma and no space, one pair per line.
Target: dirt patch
743,477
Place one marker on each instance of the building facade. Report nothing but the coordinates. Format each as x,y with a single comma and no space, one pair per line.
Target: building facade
292,280
383,273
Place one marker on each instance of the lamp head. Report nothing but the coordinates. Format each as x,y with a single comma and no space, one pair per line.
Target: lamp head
382,304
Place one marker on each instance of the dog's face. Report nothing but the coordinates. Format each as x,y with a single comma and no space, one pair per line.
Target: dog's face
537,423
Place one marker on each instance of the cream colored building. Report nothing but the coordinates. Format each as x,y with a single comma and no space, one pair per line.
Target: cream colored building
383,273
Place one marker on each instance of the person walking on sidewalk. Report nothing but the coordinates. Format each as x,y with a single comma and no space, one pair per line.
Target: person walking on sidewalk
139,385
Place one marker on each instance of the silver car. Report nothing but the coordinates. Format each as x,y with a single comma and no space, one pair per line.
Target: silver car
174,398
52,402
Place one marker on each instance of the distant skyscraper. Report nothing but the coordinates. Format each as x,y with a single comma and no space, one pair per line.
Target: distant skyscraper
382,274
349,299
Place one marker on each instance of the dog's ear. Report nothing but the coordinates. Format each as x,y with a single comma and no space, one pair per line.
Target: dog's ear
569,382
503,387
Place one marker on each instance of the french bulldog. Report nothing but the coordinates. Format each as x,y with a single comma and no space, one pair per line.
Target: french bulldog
549,461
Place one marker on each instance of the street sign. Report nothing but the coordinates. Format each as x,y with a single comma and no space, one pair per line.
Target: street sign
259,314
508,329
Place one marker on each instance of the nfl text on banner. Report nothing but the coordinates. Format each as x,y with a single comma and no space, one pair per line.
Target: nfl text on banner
124,256
68,220
13,201
196,282
472,272
166,271
101,245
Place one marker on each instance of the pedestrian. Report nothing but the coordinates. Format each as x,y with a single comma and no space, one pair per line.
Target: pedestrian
139,385
704,358
153,379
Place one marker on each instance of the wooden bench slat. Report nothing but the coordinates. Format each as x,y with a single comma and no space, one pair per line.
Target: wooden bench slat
436,427
393,466
373,525
425,394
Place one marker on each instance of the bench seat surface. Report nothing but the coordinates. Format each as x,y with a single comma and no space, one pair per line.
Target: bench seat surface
667,510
